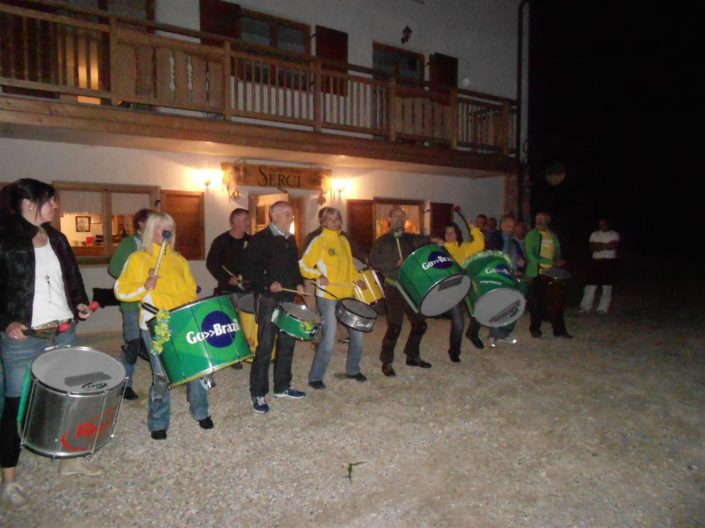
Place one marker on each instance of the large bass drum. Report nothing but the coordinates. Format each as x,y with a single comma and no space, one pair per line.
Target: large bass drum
70,401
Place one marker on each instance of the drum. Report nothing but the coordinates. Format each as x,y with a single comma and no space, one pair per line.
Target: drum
355,315
374,291
70,402
296,320
205,336
554,290
248,321
431,281
495,298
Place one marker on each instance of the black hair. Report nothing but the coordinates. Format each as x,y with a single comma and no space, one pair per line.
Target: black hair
458,232
140,217
35,191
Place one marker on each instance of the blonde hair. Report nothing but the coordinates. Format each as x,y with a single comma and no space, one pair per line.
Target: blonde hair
330,212
158,219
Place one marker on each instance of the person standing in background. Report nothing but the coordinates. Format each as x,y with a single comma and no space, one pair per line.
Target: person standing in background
129,310
602,270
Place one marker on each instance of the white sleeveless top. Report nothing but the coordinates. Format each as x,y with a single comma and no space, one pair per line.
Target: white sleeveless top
49,302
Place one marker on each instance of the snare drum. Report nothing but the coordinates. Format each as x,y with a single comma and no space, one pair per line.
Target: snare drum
374,291
296,320
431,281
205,336
70,401
495,298
355,315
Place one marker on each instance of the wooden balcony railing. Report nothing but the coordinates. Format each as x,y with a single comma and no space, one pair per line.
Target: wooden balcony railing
86,53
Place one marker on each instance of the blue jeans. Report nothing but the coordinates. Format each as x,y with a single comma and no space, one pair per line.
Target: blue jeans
159,397
130,332
326,307
17,354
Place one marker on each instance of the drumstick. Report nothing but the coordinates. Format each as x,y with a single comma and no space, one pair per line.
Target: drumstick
241,280
295,291
166,235
401,257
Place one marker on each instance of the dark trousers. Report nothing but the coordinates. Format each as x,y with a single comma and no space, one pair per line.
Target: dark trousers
457,324
267,333
545,304
9,437
396,308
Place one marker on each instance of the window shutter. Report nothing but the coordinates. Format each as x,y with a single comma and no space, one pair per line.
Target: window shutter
221,18
332,44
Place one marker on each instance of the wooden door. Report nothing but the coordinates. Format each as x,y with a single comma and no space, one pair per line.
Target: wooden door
360,226
441,216
187,210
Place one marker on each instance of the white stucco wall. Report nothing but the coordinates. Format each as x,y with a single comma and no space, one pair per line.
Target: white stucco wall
482,34
67,162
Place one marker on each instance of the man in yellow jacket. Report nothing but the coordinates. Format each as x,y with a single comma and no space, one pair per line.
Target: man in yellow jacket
328,259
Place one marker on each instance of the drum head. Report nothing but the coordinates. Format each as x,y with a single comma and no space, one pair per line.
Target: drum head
246,303
556,273
78,370
444,295
359,308
300,312
499,307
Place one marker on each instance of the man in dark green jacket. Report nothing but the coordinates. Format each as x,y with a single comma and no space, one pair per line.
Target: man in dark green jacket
543,252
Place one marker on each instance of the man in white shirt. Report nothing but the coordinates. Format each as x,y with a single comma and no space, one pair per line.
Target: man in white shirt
603,244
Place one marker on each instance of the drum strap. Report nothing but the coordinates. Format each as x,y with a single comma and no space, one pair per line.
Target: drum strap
391,282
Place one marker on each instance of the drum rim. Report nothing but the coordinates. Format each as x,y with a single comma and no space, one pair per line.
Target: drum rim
492,293
198,301
344,307
80,347
464,275
208,371
304,307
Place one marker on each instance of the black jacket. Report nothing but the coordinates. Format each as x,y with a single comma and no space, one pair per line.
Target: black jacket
17,271
226,251
269,258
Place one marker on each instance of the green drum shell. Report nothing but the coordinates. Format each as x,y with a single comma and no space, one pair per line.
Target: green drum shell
186,361
432,290
495,298
288,323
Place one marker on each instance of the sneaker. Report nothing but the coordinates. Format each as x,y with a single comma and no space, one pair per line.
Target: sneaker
359,377
290,393
78,466
493,342
130,394
206,423
13,494
318,385
260,404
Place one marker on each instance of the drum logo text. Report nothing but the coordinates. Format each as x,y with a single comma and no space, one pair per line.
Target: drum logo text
502,270
437,260
217,329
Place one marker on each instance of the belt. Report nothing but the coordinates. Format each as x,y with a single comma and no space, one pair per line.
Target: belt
51,325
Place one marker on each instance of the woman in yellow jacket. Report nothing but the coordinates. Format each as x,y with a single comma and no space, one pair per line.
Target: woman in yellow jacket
461,251
328,259
172,286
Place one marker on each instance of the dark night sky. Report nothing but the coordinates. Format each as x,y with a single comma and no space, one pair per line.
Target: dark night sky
613,95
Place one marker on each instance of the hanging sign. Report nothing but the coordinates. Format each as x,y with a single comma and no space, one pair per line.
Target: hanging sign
277,176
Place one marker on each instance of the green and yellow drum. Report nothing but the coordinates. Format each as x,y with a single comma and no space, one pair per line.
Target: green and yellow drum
431,281
495,298
205,336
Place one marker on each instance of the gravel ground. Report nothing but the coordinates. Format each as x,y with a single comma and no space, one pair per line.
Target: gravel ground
604,430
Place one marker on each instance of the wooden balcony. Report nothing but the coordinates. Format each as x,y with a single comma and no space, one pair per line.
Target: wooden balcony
90,74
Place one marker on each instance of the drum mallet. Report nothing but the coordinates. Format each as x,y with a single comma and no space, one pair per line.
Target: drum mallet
397,234
166,235
295,291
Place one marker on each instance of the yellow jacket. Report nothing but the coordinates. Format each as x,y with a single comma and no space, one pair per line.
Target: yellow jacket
329,255
176,285
462,252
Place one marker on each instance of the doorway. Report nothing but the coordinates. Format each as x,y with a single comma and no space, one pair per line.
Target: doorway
259,205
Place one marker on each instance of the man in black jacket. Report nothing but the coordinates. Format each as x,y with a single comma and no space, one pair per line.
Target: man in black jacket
271,263
225,254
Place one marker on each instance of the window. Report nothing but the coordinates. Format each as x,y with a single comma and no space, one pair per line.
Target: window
407,67
96,217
